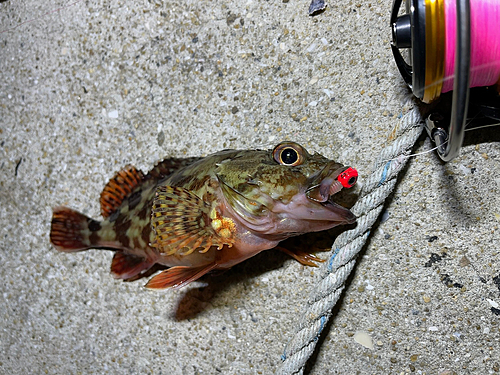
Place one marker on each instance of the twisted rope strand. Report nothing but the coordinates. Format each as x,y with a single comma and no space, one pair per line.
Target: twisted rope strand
334,273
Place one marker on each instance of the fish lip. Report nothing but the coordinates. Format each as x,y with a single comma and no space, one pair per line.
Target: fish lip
347,217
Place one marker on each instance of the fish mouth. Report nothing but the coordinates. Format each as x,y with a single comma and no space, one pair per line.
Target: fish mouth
325,185
340,214
322,193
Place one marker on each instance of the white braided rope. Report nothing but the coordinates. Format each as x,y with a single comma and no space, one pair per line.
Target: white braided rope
334,273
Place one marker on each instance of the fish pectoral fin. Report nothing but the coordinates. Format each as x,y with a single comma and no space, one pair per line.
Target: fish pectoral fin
179,276
183,223
126,266
303,257
119,188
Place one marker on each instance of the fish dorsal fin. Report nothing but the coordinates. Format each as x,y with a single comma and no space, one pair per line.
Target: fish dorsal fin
183,223
119,188
168,166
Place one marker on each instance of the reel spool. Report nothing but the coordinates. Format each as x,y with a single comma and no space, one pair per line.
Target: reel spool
452,46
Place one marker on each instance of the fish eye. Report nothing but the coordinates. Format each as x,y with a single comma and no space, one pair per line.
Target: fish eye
288,154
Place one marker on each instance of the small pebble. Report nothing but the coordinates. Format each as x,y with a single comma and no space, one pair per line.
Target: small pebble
329,93
432,238
385,216
161,138
492,303
364,339
464,261
313,80
464,169
113,114
316,7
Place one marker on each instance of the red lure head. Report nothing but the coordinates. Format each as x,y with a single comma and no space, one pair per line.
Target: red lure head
348,177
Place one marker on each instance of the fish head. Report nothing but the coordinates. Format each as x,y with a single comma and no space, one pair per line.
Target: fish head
285,191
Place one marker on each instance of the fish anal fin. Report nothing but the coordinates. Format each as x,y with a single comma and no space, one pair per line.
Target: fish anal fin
179,276
118,188
127,266
183,223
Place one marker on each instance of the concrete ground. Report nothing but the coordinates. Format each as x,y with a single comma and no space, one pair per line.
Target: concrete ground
89,86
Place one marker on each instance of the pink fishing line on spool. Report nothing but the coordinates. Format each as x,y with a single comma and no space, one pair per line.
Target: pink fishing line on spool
485,43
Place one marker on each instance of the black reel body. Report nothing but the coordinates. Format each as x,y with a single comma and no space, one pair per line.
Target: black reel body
421,30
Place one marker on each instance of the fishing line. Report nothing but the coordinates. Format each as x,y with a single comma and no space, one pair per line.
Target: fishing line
412,155
482,127
429,30
453,45
450,78
484,42
435,148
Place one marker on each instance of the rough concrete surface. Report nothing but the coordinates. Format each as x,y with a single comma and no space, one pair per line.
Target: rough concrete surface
89,86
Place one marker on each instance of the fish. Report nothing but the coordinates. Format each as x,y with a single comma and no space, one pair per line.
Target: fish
198,215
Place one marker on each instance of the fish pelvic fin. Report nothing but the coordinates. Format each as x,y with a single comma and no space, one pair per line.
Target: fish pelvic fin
119,188
179,276
303,257
72,231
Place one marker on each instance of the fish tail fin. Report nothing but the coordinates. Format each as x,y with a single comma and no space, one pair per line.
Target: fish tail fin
72,231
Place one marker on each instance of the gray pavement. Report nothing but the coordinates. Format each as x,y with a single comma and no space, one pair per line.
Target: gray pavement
91,86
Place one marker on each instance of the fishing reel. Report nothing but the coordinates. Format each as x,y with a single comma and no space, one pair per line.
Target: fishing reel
452,45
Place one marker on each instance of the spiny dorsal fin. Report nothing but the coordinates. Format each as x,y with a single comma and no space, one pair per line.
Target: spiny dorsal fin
183,223
168,166
119,188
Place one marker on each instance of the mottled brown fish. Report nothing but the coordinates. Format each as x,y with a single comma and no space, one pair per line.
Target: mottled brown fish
201,214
